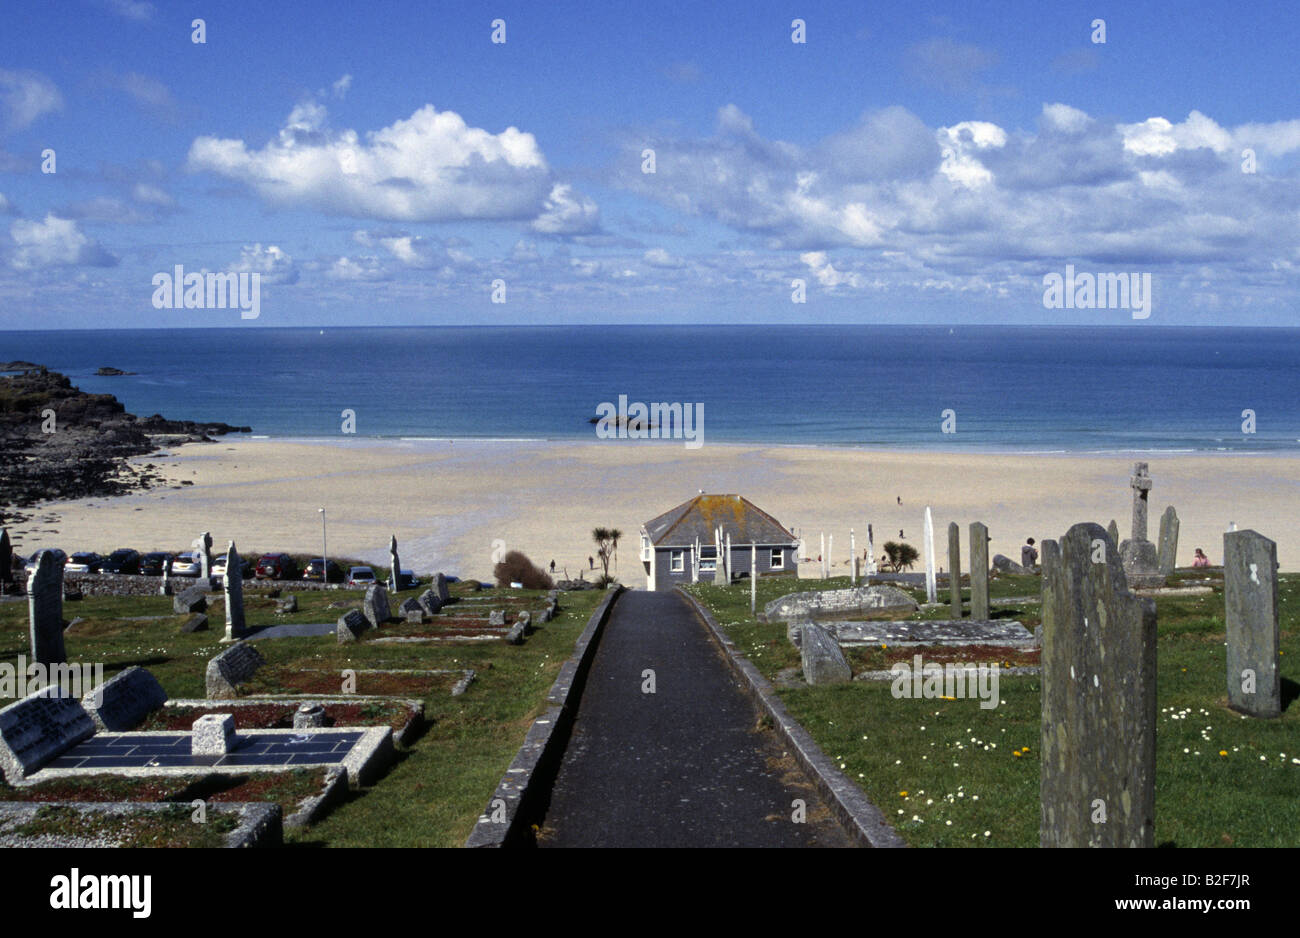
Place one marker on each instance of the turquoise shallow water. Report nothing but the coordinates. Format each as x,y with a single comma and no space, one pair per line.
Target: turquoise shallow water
1041,389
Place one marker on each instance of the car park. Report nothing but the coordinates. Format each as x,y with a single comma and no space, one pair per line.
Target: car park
218,568
83,562
154,562
187,563
276,567
122,560
313,571
59,557
361,576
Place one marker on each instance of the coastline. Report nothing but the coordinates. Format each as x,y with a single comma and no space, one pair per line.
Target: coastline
448,502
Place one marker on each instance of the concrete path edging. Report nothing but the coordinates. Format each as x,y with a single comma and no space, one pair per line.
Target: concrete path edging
863,820
527,780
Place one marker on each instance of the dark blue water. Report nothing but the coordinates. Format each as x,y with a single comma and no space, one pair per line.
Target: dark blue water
1019,388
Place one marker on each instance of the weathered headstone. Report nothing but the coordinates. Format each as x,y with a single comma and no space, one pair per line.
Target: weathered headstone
868,602
823,660
1168,548
165,587
439,586
1140,557
1140,483
196,623
931,584
287,605
205,556
411,610
395,568
979,570
516,634
526,619
954,569
39,728
6,559
234,591
429,600
45,610
1112,529
120,703
188,601
213,734
1098,730
1251,614
309,716
375,605
234,666
871,551
497,617
1004,564
350,626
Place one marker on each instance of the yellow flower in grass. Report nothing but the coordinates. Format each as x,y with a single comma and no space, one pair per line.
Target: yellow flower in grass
903,794
1223,752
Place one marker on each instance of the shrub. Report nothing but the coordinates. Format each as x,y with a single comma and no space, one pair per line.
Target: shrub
517,568
901,556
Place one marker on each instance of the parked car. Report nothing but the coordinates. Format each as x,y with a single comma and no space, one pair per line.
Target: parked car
406,580
218,569
83,562
59,557
312,571
276,567
187,563
361,576
122,560
152,563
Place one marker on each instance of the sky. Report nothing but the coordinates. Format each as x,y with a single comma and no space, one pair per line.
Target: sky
391,164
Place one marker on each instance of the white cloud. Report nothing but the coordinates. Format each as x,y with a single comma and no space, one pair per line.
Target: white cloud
362,268
271,262
567,212
137,10
54,242
1156,136
25,96
658,257
429,167
340,87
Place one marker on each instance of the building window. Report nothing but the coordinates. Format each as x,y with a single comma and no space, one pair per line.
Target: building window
677,561
778,559
645,548
708,559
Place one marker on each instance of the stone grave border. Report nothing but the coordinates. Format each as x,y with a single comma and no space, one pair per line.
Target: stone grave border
365,762
532,771
260,823
862,820
312,808
400,735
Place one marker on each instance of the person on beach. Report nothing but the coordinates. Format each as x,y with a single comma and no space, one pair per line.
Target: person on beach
591,563
1029,555
1200,560
552,567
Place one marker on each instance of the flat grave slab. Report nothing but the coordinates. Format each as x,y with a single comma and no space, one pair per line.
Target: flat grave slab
931,632
289,630
361,750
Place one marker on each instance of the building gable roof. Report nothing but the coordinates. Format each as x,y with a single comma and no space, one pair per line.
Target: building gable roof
698,518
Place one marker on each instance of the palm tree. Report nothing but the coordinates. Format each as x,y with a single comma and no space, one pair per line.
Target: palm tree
604,547
614,535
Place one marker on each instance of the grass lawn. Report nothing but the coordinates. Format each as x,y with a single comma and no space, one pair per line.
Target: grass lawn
948,773
440,783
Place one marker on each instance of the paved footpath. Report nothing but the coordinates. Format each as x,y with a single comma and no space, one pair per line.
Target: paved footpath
685,766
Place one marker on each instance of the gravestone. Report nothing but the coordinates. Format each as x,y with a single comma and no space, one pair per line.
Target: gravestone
1250,608
1004,564
1167,556
205,556
429,601
1112,530
234,589
395,570
823,660
526,618
234,666
375,605
39,728
954,569
931,584
497,617
309,716
287,605
188,601
439,587
165,587
1098,729
411,610
45,610
863,601
6,559
979,570
213,734
1140,557
350,626
120,703
196,623
516,634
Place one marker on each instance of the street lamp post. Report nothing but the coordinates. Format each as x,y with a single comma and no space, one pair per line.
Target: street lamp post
324,554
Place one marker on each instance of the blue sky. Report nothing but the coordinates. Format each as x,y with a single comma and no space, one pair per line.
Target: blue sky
386,163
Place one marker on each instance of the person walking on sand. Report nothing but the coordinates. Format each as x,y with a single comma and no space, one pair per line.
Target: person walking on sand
1200,560
591,563
552,567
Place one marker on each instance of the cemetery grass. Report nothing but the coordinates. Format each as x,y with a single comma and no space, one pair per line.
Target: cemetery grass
947,773
434,793
171,828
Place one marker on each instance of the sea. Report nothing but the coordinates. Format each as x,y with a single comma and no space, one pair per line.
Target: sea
1137,389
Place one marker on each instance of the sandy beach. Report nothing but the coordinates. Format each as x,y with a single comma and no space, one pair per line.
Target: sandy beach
448,502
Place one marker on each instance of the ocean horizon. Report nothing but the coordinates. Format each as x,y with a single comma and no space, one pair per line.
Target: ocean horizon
1030,389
